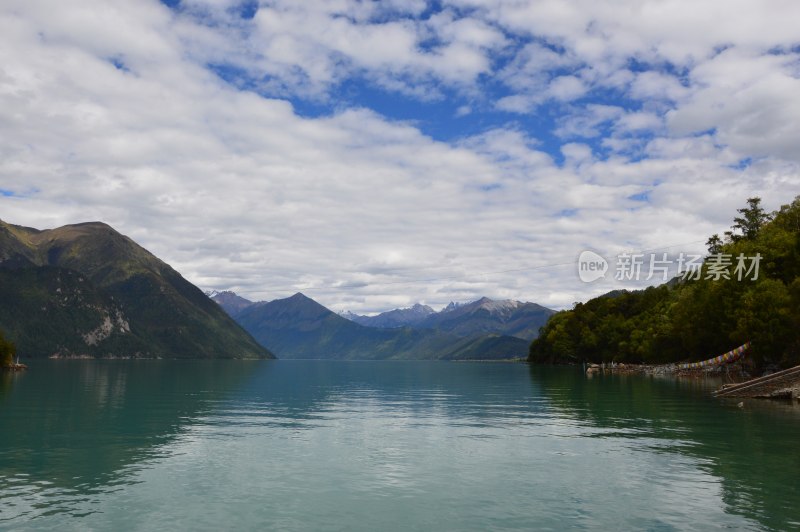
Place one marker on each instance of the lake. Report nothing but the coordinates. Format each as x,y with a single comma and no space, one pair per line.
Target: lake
318,445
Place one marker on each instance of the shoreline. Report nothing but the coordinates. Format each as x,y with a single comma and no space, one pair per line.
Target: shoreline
736,373
14,367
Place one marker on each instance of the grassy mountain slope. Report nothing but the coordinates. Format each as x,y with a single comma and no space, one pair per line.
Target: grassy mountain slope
85,289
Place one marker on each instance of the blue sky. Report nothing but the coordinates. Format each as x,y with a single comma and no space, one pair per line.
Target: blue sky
446,113
378,154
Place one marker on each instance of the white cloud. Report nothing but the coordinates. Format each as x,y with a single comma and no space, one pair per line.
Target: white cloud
750,101
517,103
311,46
463,110
576,152
648,86
239,191
587,121
566,88
638,121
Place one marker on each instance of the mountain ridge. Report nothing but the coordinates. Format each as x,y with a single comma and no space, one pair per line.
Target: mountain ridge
87,290
506,317
230,301
299,327
393,318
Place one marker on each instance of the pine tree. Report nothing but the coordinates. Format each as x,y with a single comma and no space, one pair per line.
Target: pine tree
752,218
714,245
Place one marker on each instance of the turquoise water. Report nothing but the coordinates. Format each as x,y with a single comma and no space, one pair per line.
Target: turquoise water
313,445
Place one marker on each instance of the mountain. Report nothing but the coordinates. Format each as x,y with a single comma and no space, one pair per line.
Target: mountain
394,318
87,290
486,316
230,302
486,347
451,306
299,327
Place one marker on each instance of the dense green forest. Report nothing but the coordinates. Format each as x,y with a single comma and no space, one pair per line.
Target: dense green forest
695,318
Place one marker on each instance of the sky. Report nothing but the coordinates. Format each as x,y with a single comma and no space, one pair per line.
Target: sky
376,154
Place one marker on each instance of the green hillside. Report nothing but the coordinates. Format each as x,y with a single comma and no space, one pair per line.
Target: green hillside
86,290
695,319
487,347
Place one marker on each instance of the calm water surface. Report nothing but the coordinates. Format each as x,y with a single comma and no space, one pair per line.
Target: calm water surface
312,445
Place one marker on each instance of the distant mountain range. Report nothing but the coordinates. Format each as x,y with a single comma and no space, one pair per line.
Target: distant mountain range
86,290
230,302
484,316
299,327
401,317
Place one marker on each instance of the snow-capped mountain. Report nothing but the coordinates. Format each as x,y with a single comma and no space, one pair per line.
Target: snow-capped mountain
394,318
507,316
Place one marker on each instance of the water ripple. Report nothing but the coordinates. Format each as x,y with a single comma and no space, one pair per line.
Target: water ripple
374,446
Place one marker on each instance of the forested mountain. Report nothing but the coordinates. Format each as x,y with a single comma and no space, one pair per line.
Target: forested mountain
695,319
86,290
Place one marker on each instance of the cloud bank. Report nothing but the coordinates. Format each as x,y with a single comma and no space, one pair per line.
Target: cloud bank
376,154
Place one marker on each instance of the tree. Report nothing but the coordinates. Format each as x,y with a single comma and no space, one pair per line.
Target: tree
7,351
764,317
698,318
752,218
714,245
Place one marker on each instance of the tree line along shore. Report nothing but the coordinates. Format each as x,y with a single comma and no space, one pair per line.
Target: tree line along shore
692,319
